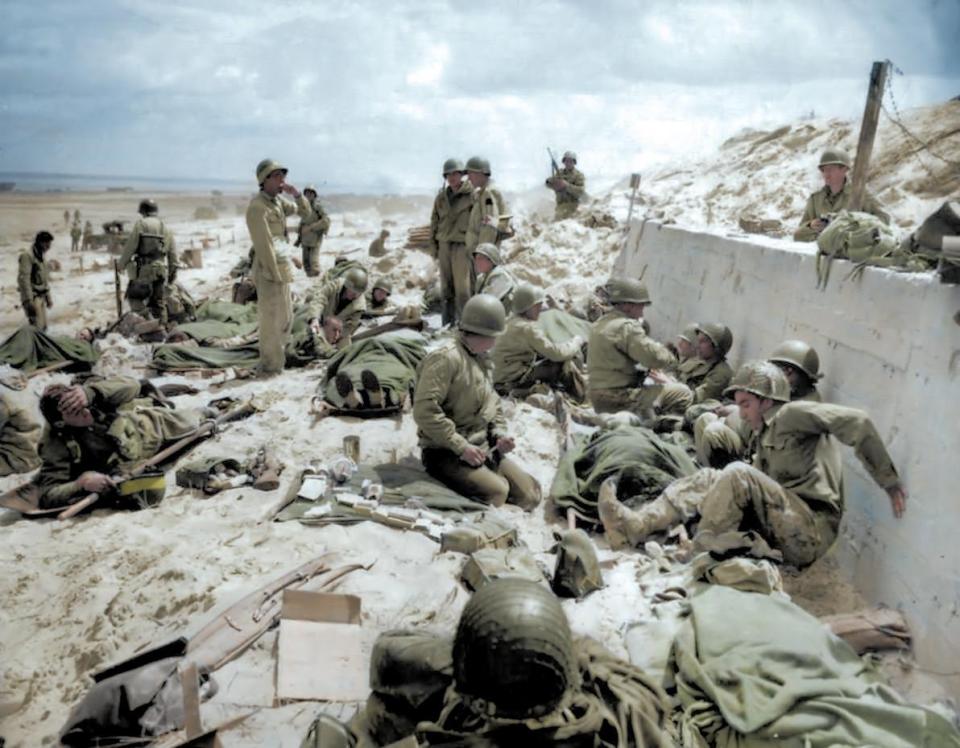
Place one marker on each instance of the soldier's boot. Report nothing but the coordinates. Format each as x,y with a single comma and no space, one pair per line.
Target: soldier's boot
626,528
372,387
345,389
266,471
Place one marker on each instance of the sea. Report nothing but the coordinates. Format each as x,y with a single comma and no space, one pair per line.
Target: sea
51,182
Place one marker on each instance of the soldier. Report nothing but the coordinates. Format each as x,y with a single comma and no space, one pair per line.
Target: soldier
33,280
378,247
76,215
524,355
460,422
153,251
313,227
488,211
378,299
267,224
87,236
568,184
66,218
75,233
801,365
793,492
492,276
18,439
341,297
618,342
448,235
706,376
99,428
833,197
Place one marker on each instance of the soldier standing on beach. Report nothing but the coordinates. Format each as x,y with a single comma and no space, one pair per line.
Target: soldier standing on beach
33,280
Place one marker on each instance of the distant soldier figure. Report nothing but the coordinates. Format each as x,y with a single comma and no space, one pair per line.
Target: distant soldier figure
75,233
33,280
378,246
153,252
448,236
76,216
487,222
272,274
568,183
833,197
87,236
313,227
66,218
492,277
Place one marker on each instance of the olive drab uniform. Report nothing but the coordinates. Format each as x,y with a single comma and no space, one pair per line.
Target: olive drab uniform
487,203
33,282
568,199
272,274
524,355
87,236
126,430
153,251
75,233
617,344
793,491
499,282
328,301
455,406
314,225
823,202
448,236
18,439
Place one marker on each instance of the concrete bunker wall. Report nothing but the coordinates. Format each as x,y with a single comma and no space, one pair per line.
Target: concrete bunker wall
889,344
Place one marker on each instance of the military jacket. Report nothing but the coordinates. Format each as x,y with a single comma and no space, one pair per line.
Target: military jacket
707,379
33,276
18,439
575,186
822,202
314,224
327,301
498,282
454,404
794,449
451,216
267,224
617,344
522,345
163,266
75,231
487,201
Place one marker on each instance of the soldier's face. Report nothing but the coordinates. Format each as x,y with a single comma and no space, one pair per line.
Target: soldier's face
705,347
793,374
834,176
273,182
569,163
454,179
77,418
482,264
477,179
750,407
380,295
479,344
685,348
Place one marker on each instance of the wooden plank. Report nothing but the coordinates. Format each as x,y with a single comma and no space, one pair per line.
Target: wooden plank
868,132
320,607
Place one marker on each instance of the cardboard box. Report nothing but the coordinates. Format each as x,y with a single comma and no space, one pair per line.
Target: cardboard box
319,650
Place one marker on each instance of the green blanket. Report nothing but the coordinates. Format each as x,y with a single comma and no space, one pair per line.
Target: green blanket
645,462
217,320
392,356
29,349
561,326
756,671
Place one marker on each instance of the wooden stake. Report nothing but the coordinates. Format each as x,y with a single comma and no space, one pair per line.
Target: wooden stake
868,131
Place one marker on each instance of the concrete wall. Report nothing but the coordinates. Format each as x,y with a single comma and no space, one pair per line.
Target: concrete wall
889,344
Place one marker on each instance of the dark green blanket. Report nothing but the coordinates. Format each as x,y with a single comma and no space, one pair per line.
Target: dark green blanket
392,356
561,326
217,320
644,461
29,349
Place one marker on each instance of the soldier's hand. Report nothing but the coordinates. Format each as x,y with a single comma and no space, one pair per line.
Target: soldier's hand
487,220
818,225
559,184
95,482
660,377
505,445
473,456
898,500
73,400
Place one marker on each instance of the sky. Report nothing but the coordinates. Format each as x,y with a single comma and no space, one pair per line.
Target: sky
373,96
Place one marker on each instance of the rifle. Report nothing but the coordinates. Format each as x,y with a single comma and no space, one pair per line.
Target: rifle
553,163
116,289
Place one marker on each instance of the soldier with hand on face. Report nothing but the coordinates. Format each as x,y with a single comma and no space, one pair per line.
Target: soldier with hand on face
569,185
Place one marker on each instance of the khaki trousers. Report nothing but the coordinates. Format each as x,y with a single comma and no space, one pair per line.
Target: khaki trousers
565,210
456,279
637,400
311,259
275,317
507,482
37,313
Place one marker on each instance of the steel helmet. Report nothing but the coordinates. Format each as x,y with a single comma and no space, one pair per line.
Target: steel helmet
513,653
490,251
719,335
798,354
627,291
483,314
478,163
571,155
266,167
147,207
526,297
310,188
384,284
452,164
355,279
689,332
760,378
834,156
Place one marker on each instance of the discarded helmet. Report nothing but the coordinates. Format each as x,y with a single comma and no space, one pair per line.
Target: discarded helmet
627,291
799,354
355,279
452,164
513,654
834,156
147,207
760,378
525,297
571,155
489,251
483,314
689,333
266,167
478,163
719,335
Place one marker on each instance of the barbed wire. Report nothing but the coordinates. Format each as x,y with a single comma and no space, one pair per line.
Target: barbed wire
897,119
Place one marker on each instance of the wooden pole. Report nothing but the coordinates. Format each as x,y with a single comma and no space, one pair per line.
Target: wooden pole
116,289
868,131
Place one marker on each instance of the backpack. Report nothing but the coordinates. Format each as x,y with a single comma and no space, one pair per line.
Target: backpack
151,245
859,237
